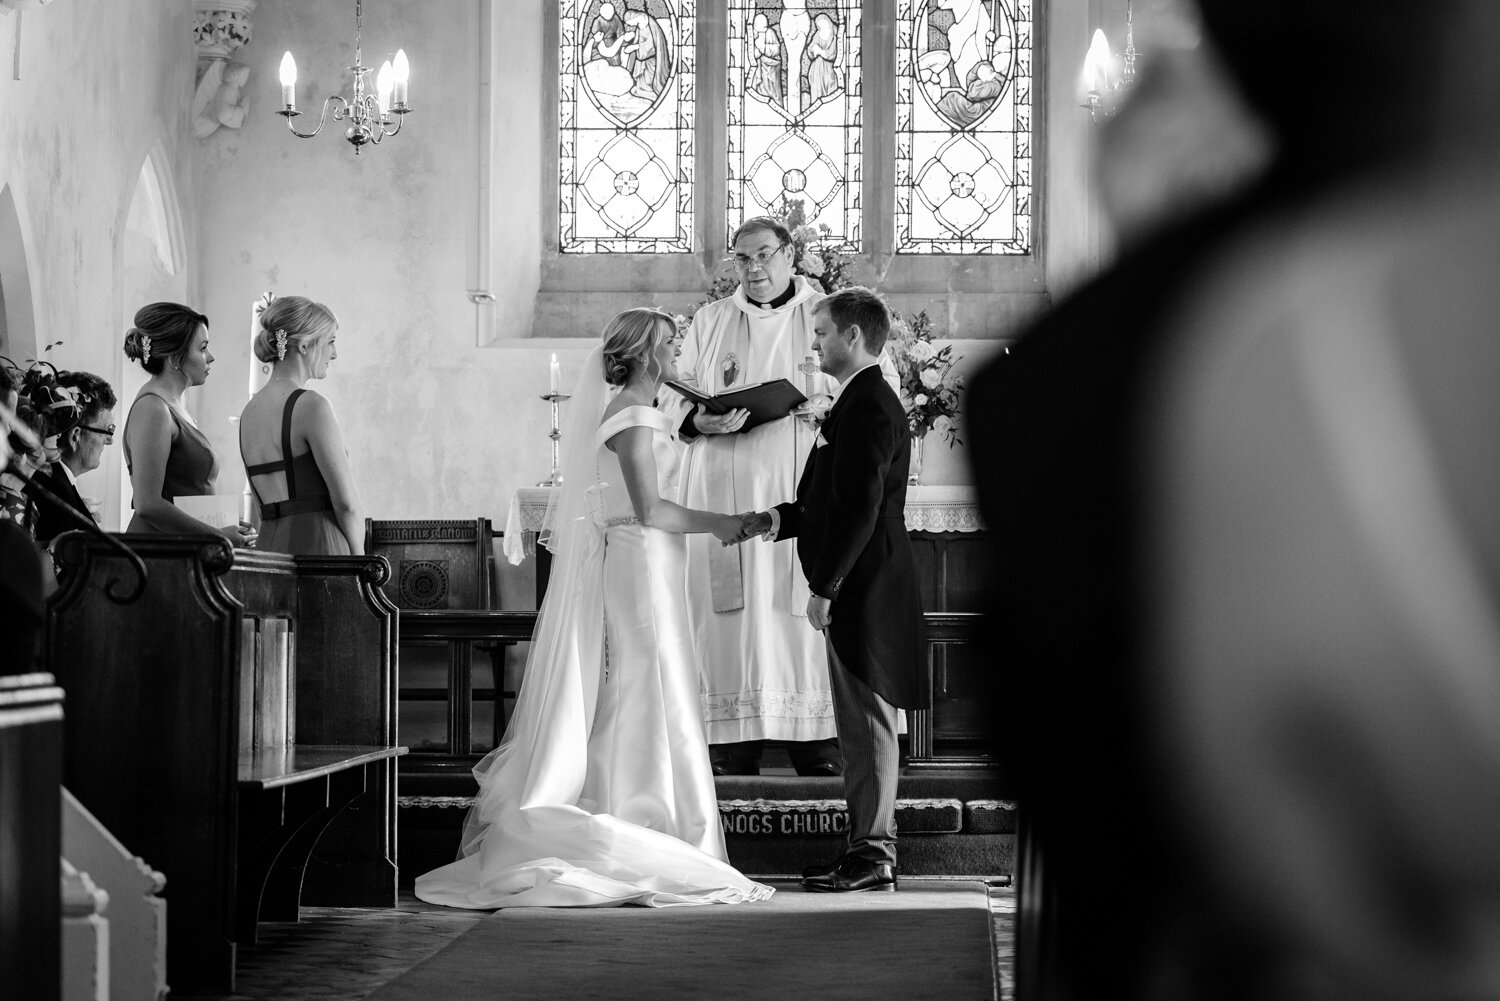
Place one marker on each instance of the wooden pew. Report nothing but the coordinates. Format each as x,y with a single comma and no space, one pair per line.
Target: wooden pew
234,724
31,754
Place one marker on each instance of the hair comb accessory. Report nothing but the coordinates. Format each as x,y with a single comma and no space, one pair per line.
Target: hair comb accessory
145,347
281,345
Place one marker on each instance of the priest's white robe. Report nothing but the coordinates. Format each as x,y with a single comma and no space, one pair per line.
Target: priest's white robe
764,669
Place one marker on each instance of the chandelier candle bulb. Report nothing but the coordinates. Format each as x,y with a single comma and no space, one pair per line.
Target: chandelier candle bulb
383,86
288,81
401,71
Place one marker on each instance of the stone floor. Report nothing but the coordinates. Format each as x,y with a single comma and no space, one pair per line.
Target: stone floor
343,954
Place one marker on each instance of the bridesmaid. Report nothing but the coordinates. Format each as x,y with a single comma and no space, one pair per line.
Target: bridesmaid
290,441
166,454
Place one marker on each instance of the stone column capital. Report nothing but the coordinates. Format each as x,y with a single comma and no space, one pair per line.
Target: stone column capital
220,26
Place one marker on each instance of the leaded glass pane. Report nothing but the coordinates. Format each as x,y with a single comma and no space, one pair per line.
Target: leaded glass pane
963,126
794,112
625,135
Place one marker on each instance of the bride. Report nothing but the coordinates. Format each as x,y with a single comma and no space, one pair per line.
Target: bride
601,792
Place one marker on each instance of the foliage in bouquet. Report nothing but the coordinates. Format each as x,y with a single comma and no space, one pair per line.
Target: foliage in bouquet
929,388
827,268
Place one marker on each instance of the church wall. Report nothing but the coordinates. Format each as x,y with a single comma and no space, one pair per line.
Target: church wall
100,83
395,240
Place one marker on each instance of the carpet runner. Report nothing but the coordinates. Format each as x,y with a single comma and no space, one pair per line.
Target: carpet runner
930,940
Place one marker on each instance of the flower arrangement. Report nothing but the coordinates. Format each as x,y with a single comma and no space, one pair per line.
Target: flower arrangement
929,388
827,268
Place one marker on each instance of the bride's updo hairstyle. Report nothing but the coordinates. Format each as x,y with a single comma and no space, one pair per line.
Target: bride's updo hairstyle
163,332
290,321
629,340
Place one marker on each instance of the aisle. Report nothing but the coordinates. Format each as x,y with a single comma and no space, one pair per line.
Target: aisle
931,940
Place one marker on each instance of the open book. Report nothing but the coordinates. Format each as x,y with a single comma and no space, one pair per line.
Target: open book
766,401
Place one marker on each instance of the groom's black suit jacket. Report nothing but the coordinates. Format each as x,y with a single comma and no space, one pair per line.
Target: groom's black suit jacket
51,522
849,520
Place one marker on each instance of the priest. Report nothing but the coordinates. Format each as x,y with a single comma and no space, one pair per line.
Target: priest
764,672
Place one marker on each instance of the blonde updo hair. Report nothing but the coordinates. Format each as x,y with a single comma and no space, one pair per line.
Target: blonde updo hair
630,338
297,317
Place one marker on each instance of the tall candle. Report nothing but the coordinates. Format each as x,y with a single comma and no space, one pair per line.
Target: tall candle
554,374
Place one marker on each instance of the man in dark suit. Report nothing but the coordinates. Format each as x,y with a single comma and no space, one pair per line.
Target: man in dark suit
850,524
81,447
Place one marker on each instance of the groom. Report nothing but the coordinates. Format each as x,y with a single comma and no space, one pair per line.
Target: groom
850,525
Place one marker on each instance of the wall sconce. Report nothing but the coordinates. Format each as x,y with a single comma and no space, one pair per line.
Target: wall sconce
369,115
1106,78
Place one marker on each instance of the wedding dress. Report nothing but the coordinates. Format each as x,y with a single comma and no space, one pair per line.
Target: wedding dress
601,792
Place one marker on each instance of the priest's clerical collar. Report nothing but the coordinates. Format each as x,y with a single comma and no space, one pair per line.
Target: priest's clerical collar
781,300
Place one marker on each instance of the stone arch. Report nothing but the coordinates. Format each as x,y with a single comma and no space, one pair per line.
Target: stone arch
153,257
18,334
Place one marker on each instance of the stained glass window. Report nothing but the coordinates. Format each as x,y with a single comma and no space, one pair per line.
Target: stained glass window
795,112
625,127
963,126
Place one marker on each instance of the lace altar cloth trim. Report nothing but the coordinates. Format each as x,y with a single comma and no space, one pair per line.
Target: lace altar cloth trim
928,509
775,704
990,816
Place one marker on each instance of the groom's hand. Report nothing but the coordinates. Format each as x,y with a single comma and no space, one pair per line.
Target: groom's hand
819,612
754,524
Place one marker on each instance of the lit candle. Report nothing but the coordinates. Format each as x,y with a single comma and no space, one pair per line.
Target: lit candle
288,81
383,87
554,374
401,70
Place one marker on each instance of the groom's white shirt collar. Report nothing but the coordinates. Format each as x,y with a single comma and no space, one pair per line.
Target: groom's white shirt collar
838,392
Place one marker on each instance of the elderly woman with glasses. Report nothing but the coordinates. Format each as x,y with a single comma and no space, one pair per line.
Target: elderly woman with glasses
80,450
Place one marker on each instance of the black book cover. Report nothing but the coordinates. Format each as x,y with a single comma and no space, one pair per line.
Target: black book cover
766,401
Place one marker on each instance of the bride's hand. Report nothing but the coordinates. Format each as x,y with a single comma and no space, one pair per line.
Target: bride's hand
728,529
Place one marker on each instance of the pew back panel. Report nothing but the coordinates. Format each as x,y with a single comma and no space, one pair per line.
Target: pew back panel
156,750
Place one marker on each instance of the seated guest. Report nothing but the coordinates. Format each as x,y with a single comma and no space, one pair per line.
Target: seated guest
80,449
166,454
20,450
290,441
27,435
20,563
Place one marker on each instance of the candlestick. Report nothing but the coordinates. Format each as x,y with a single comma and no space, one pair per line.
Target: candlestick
554,398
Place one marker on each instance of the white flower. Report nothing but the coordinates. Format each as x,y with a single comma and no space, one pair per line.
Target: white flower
922,351
931,378
943,424
811,264
920,400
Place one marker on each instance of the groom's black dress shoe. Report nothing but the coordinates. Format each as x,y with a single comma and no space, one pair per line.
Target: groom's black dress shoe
854,874
822,870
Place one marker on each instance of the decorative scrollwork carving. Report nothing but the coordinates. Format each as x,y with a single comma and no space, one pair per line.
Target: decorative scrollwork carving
217,556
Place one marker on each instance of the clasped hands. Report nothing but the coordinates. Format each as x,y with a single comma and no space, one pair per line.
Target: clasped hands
736,528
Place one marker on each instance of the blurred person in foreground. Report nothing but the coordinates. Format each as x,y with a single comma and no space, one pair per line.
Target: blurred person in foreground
1106,710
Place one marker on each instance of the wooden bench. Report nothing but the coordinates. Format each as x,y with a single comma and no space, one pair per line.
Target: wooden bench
31,736
234,723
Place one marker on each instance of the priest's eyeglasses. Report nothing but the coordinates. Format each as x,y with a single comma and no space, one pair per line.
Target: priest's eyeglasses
760,260
108,433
